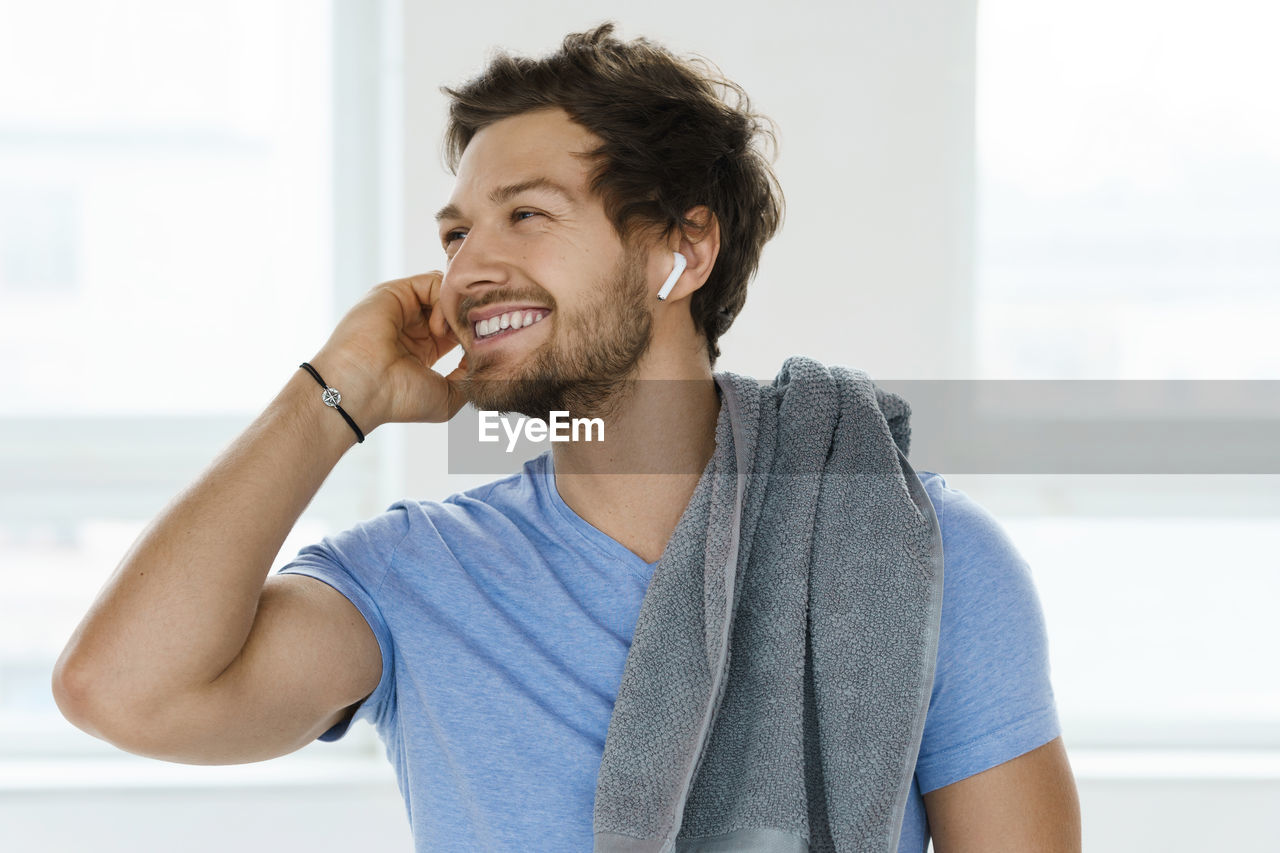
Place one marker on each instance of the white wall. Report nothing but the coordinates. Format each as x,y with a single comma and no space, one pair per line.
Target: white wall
875,106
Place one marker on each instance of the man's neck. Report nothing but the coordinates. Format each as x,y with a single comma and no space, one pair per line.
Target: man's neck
665,426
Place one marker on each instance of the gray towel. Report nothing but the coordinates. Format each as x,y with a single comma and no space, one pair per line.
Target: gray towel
810,541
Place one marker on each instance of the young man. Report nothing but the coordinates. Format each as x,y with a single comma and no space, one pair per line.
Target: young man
486,636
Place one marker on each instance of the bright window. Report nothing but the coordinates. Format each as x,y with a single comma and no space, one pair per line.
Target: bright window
167,257
1129,228
166,195
1128,190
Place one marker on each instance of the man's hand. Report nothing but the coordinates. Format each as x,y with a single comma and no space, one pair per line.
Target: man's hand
381,353
1027,805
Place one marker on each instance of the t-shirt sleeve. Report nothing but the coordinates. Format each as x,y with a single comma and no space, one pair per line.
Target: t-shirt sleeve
355,562
992,699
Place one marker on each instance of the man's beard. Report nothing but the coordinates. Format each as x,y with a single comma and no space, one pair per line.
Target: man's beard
586,367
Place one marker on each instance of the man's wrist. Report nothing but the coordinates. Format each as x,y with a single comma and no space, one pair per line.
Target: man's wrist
332,398
356,389
315,420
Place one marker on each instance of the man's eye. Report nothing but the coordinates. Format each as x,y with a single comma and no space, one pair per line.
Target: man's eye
516,216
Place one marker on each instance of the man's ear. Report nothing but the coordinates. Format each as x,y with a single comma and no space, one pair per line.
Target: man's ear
700,246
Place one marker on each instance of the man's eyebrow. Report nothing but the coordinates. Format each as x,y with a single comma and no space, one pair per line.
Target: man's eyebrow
505,193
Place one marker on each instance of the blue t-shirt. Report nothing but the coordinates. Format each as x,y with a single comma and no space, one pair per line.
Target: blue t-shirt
504,621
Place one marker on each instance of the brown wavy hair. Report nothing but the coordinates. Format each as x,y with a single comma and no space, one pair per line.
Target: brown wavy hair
671,141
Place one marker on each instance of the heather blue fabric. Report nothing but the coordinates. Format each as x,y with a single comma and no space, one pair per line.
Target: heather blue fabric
504,621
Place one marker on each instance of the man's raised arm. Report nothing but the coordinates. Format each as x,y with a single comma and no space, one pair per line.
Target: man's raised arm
188,653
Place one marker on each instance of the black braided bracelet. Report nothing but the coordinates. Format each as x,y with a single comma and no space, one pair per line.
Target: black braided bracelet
332,398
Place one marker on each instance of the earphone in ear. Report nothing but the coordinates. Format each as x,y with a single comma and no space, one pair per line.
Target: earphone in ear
678,268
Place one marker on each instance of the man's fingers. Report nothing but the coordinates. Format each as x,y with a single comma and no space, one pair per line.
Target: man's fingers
416,292
426,287
457,392
439,326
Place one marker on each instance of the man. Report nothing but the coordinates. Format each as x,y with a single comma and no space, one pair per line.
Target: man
486,635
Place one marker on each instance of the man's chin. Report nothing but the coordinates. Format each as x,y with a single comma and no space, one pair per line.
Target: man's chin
529,397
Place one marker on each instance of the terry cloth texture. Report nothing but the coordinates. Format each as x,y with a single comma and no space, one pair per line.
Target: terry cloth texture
775,692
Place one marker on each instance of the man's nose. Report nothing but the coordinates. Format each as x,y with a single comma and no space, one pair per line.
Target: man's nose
480,261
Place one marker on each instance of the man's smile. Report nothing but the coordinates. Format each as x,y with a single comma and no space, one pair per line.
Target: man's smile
506,324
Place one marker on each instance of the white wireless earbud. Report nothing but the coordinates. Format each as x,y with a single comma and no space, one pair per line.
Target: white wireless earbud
680,264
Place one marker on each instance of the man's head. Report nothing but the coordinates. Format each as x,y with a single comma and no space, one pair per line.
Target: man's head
647,149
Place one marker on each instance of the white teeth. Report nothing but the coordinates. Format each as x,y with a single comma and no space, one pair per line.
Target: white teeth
510,320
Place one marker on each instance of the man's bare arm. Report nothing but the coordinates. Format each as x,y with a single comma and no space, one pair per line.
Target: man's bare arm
1029,803
180,606
181,648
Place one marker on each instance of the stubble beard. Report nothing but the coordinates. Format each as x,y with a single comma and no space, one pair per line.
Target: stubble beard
587,367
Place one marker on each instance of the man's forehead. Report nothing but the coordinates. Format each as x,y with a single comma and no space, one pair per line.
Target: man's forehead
534,132
542,149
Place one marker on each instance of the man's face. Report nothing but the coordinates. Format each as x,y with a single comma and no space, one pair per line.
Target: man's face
524,236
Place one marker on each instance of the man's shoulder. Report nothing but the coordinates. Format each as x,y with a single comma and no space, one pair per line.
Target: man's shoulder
988,588
478,510
992,699
514,492
504,488
408,518
970,532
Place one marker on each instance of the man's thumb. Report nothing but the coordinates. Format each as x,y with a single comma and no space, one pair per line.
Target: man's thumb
457,391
